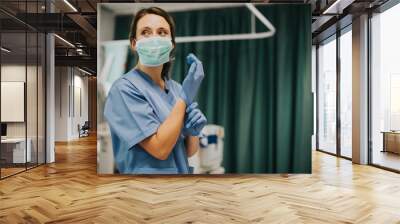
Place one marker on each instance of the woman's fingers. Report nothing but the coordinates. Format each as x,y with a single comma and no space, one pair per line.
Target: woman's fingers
194,118
191,58
192,69
192,113
191,107
198,126
200,122
190,117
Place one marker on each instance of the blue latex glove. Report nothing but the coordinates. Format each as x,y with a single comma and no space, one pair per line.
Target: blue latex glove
194,121
192,81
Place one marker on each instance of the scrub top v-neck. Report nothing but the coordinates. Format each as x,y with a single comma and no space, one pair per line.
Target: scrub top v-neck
135,108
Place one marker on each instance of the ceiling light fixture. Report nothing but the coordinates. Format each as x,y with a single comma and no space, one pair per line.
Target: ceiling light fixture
70,5
64,40
84,71
5,49
332,8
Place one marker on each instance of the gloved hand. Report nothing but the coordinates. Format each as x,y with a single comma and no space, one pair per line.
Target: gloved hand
194,120
192,81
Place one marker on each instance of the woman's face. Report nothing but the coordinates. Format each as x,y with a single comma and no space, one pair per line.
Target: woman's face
151,25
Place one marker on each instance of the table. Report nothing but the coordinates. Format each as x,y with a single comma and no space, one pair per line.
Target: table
391,141
13,150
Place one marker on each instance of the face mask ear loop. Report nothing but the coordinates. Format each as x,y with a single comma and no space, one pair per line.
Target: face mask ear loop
134,39
172,56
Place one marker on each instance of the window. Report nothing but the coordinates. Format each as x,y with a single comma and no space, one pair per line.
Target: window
385,88
327,96
346,94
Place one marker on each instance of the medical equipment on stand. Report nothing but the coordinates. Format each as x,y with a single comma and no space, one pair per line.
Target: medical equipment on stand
210,155
255,13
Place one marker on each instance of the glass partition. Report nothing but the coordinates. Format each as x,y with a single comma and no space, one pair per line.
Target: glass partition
22,88
13,105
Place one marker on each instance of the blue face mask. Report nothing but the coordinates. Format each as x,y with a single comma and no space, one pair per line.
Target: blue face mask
154,51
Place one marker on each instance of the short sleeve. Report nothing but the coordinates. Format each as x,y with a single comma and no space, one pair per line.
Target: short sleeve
128,113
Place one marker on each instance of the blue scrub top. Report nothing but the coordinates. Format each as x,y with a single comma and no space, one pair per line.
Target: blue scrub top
134,109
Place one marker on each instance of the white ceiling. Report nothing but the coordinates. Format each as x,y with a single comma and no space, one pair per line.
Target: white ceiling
131,8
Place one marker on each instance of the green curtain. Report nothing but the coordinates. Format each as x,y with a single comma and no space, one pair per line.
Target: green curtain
258,90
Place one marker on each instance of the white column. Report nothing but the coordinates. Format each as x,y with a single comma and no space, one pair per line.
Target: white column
50,92
50,108
360,90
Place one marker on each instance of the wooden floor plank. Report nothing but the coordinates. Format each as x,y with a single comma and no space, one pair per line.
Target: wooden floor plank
70,191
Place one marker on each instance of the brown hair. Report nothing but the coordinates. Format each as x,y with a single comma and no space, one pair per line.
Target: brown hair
160,12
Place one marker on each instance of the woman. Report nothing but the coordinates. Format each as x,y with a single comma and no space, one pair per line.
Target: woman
153,120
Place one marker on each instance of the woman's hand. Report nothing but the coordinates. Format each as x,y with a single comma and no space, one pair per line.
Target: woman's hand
195,120
195,75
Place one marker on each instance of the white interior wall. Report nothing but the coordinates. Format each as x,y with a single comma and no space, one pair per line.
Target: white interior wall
14,72
68,81
79,117
61,103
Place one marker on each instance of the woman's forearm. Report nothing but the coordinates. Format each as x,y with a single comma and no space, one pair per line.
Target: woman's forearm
163,141
192,145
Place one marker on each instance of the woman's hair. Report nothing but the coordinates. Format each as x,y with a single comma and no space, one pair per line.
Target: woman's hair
160,12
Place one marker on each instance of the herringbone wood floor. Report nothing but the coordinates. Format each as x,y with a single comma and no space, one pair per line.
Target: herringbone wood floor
70,191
